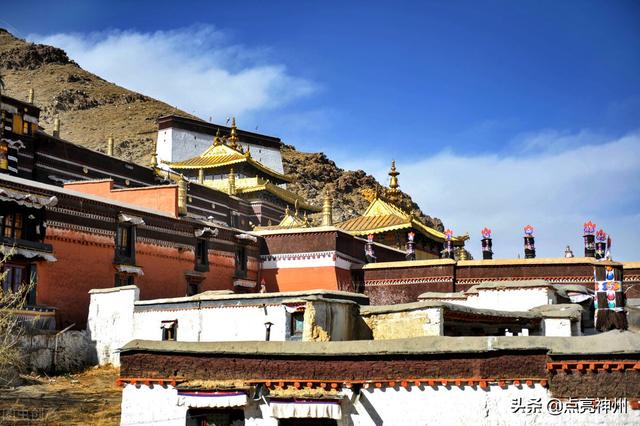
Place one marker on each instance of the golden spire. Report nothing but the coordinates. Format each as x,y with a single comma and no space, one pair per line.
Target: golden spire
154,159
327,210
247,153
393,193
233,138
217,140
232,182
295,206
287,212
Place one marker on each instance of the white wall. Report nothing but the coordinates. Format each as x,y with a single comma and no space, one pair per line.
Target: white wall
558,327
519,299
110,320
389,406
238,323
178,144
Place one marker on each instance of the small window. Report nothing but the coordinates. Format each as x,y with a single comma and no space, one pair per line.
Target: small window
193,289
124,279
297,324
169,329
125,243
202,255
12,225
241,262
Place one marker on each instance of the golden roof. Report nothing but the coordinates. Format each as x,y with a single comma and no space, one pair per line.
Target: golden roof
256,184
289,221
382,216
221,155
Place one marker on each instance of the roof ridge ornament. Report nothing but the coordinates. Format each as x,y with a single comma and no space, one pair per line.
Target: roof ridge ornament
233,137
393,193
217,140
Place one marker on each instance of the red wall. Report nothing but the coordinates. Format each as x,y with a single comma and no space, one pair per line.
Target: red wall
85,262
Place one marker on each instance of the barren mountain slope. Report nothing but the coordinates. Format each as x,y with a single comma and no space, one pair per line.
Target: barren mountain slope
91,109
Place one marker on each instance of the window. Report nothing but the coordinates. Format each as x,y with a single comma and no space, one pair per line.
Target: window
193,289
241,262
124,279
297,324
169,329
125,244
202,255
14,278
12,225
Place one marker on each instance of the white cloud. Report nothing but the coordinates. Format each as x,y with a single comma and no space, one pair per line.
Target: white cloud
555,191
196,69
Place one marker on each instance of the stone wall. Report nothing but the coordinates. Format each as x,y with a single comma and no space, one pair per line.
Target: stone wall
398,325
65,352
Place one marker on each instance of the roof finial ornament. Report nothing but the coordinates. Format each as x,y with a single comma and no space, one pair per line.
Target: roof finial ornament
295,206
233,137
247,153
217,140
393,193
154,159
287,212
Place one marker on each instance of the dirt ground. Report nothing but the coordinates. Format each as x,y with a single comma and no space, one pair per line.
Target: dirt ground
91,397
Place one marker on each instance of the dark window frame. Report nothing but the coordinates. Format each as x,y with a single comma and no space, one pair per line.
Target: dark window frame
202,255
125,249
241,261
294,321
169,333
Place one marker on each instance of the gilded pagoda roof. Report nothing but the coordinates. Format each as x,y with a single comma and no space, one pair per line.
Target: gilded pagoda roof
289,221
382,216
257,184
221,155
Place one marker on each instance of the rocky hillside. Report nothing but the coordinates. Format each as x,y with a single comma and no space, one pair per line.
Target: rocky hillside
91,109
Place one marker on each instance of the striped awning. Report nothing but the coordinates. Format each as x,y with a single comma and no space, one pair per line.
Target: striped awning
306,409
211,399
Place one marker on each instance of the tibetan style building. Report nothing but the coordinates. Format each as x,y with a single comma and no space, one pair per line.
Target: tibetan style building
391,225
229,166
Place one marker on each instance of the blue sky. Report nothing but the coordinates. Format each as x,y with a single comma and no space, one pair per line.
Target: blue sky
498,113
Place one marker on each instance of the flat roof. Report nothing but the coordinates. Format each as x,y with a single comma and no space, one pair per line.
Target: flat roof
612,342
215,295
496,262
430,304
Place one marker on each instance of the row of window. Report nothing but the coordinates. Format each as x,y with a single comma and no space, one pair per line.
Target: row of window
125,253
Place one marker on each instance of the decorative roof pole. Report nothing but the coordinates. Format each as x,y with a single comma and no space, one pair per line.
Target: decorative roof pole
217,140
609,301
601,244
368,250
589,239
327,210
529,243
487,245
393,193
233,137
232,182
110,145
448,253
411,246
31,95
182,195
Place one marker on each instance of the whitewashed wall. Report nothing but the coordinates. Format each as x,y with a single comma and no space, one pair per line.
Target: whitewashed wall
215,324
110,320
560,327
520,299
179,144
389,406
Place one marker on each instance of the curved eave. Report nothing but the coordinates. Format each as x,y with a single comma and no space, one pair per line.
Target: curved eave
283,194
425,230
197,163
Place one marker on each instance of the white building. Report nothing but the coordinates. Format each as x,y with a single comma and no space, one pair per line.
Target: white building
116,316
181,138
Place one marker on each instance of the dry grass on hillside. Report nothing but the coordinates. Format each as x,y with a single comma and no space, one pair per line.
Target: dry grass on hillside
91,397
